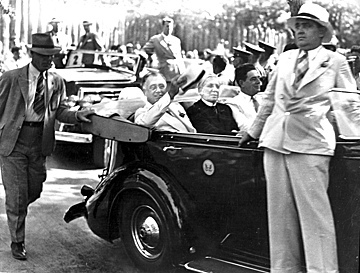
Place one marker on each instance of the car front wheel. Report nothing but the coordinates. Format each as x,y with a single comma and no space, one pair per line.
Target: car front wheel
145,233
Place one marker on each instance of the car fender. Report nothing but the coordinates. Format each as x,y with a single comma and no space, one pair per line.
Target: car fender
163,189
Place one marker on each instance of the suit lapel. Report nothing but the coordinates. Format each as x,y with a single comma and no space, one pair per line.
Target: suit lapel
49,88
173,119
165,45
289,70
24,82
318,66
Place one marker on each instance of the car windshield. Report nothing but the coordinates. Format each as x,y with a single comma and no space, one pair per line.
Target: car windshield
114,61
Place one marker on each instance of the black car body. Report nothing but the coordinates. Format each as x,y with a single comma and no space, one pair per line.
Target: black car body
87,84
199,201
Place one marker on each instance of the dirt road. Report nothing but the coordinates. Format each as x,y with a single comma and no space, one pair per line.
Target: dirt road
52,245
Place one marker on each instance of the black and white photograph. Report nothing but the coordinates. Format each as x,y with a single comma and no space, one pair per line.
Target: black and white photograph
218,136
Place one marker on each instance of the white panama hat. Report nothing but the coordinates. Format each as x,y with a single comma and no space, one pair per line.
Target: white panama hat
316,13
192,75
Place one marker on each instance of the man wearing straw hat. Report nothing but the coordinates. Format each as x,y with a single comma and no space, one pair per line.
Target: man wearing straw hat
30,101
299,140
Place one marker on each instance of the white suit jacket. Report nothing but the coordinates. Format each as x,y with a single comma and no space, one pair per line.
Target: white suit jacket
242,103
292,120
168,53
164,115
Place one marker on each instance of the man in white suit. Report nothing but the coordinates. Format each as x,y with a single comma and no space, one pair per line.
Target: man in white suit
167,49
160,111
299,140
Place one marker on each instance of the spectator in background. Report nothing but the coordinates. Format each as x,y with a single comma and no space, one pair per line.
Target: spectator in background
330,46
220,64
14,61
241,56
354,60
130,48
290,46
269,58
60,39
160,111
255,60
167,49
89,41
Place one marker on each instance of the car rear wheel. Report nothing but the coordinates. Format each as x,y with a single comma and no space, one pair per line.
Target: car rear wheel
145,233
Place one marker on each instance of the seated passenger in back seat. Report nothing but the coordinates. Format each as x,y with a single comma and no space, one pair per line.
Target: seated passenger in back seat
210,116
160,111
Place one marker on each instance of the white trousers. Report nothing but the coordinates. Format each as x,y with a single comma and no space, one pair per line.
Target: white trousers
301,226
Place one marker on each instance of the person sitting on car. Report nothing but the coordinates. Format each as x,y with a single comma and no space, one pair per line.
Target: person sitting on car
160,111
207,114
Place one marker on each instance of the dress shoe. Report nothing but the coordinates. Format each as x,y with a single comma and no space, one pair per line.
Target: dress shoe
18,251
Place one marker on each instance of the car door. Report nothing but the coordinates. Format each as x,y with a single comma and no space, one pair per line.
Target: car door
225,182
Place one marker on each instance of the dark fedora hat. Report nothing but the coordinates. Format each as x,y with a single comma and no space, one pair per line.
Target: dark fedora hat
43,44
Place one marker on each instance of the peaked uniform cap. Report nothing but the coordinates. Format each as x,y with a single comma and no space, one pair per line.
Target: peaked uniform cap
254,49
242,52
316,13
43,44
266,46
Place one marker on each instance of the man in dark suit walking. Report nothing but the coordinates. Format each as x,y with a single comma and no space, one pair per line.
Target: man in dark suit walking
31,98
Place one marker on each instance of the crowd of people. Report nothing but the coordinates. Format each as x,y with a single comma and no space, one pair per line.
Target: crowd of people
253,93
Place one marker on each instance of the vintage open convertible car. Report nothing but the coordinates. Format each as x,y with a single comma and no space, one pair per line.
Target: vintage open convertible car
92,77
198,201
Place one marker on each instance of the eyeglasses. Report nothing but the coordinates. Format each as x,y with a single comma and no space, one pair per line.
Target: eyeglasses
154,87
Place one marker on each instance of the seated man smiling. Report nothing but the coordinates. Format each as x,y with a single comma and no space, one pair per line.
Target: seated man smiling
160,111
207,114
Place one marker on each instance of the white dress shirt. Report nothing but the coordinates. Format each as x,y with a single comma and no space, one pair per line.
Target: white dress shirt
30,114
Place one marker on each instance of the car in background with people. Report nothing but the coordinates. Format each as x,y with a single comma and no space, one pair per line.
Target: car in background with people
198,201
88,84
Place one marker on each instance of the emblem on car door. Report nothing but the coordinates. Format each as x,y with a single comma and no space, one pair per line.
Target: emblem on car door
208,167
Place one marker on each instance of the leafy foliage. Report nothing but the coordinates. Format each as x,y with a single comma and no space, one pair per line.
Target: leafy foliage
344,16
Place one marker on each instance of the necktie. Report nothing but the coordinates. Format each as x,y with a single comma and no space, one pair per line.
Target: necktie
256,103
302,67
39,106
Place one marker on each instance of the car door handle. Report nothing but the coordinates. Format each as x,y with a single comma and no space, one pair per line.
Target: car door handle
171,148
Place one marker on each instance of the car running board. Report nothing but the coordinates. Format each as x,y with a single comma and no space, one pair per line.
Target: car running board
215,265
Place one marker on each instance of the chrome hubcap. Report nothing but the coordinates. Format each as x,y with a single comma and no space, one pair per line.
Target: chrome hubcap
146,232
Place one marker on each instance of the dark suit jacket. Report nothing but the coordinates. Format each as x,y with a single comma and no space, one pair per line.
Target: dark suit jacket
206,119
14,89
